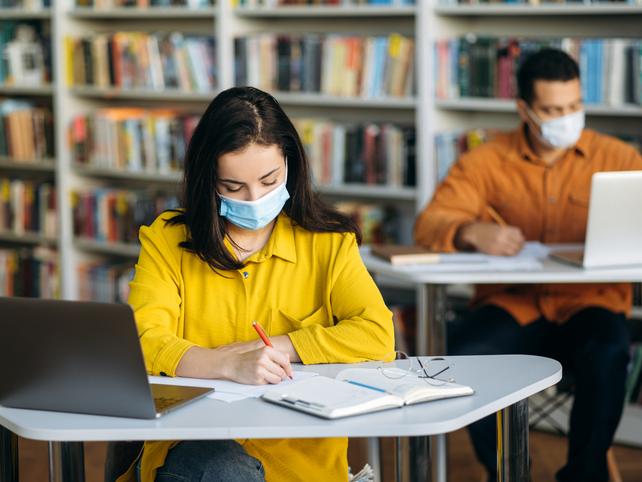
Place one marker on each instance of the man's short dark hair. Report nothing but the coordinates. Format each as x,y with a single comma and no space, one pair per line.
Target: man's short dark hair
545,64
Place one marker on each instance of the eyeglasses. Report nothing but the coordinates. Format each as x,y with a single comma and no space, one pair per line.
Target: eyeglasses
427,370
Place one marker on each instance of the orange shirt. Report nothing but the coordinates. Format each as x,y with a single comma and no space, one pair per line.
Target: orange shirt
549,203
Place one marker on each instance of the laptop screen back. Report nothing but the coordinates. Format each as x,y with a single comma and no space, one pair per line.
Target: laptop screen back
73,357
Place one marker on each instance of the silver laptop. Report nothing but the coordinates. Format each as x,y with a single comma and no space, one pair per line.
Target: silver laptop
614,230
80,357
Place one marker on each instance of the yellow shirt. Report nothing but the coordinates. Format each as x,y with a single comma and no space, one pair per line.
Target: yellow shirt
311,286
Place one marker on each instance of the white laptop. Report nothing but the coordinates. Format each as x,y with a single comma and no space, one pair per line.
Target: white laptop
614,230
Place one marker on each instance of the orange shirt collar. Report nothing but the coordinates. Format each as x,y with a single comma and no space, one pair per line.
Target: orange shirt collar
525,151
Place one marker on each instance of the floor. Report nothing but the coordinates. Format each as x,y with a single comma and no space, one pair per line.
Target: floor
547,452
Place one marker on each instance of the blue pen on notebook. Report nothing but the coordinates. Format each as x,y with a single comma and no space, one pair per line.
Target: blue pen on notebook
366,386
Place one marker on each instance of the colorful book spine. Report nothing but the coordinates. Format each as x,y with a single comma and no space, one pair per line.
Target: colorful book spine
132,139
372,153
115,215
106,282
141,60
378,223
332,64
28,207
476,66
29,272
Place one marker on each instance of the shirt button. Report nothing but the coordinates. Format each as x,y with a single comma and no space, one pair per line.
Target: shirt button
246,275
552,199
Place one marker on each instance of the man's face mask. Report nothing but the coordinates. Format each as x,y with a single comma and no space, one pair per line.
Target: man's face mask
561,132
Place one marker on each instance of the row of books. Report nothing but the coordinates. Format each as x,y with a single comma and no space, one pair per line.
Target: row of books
25,55
29,272
473,66
379,223
25,4
132,139
28,206
332,64
540,2
633,393
107,4
26,131
370,153
107,282
115,215
329,3
167,60
450,145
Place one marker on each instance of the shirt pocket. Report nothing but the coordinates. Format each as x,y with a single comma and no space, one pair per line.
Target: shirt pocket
283,322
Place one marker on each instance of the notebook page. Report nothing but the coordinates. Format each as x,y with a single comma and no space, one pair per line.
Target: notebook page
226,390
409,387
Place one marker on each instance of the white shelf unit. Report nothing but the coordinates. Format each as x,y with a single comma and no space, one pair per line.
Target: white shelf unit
37,90
24,14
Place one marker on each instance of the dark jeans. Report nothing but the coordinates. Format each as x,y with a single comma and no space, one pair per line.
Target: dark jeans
593,345
209,461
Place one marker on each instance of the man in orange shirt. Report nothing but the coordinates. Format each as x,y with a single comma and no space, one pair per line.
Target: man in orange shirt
538,179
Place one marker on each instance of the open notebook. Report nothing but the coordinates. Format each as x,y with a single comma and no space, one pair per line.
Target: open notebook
361,390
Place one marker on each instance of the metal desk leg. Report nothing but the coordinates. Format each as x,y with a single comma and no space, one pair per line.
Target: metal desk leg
512,443
374,458
8,455
431,340
66,462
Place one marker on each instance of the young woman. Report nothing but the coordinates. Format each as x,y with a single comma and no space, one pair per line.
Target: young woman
253,242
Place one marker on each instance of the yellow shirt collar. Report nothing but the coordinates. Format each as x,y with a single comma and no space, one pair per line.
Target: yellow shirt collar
281,242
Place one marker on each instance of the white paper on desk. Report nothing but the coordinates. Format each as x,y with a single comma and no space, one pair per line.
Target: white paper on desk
226,390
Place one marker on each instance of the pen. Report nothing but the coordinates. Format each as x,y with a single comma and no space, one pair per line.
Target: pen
264,337
262,334
359,384
496,217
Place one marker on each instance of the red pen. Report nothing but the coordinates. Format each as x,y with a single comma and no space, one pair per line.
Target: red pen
263,336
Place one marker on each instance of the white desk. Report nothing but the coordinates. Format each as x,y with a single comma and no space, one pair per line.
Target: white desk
431,303
502,384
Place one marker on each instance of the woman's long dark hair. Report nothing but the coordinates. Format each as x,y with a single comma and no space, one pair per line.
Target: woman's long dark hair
234,120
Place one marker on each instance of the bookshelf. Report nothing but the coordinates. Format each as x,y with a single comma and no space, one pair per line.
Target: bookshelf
427,21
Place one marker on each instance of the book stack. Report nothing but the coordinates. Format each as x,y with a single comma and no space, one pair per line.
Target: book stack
107,282
115,215
29,272
107,4
26,131
475,66
371,153
28,206
330,3
379,224
25,55
132,139
332,64
169,60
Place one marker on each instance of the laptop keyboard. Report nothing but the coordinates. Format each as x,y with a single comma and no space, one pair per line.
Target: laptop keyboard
163,403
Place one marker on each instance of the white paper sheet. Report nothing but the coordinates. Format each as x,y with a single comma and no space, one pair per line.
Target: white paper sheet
228,391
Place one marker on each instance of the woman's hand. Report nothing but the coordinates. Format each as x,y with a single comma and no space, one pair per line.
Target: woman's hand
253,363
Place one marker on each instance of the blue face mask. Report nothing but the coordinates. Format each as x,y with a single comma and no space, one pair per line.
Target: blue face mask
255,214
